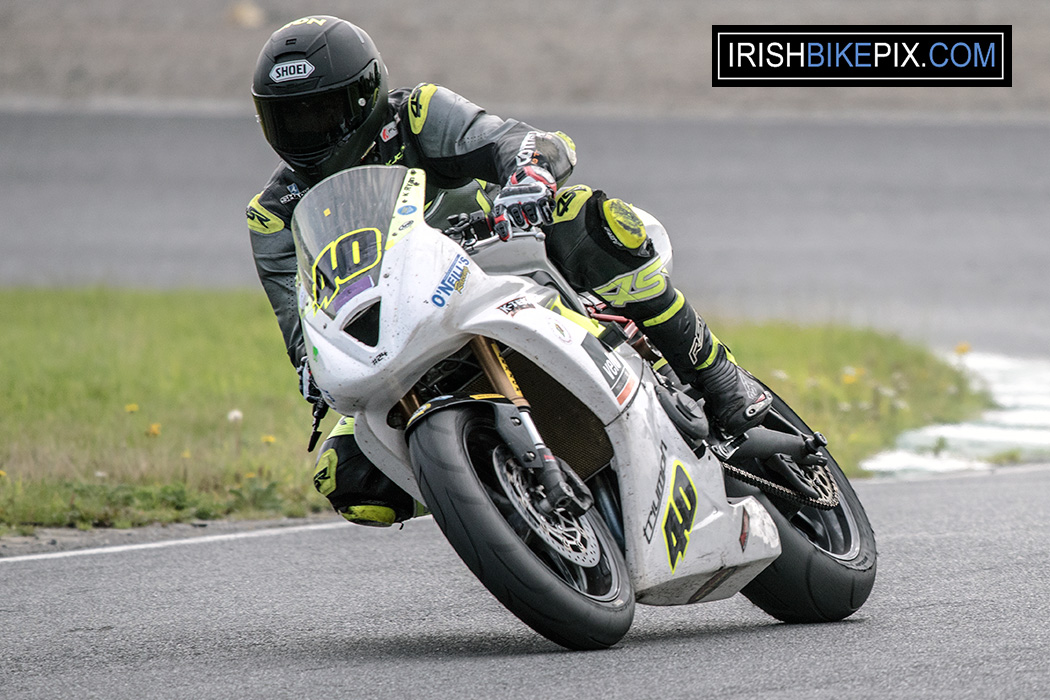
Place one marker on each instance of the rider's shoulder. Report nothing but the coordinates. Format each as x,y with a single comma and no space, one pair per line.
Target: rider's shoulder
430,106
271,209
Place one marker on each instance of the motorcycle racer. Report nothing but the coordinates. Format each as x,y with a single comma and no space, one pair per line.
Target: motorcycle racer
322,99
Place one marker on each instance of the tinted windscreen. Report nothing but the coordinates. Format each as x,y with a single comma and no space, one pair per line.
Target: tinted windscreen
339,229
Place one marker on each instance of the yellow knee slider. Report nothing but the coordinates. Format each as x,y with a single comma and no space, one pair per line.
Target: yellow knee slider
369,515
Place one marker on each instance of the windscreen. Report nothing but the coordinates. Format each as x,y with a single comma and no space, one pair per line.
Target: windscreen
339,229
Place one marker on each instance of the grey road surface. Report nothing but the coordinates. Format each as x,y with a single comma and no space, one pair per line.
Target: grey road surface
958,611
933,230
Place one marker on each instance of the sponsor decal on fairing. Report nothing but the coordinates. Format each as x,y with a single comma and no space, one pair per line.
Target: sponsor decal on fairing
454,279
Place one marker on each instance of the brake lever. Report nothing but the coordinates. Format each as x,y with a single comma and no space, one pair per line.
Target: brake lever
320,411
469,227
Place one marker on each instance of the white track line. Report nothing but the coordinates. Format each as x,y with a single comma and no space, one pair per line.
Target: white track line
204,539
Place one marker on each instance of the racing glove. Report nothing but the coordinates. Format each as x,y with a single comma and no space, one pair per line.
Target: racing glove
307,387
526,200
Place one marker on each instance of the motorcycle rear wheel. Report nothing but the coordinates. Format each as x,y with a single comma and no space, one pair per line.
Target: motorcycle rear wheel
578,600
826,569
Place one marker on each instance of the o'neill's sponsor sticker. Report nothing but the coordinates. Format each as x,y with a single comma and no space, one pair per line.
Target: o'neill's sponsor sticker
291,70
453,280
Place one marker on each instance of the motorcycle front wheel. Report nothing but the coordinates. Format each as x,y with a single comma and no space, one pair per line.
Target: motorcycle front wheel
826,568
563,576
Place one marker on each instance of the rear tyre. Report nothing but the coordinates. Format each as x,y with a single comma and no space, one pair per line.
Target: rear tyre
564,577
827,566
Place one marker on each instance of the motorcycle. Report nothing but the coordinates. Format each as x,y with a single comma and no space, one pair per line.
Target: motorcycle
563,461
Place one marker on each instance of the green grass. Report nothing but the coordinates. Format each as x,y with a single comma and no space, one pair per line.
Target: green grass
858,387
118,409
117,404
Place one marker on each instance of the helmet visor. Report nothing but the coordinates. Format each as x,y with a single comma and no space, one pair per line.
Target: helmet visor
307,128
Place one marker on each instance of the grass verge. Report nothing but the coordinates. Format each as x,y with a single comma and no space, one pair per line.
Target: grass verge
124,408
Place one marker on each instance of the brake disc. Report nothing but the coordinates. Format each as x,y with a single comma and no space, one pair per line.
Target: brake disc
570,537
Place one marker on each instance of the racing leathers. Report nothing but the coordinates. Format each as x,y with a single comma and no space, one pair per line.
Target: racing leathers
599,244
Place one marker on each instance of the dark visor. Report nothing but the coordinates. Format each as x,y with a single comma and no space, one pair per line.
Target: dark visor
310,126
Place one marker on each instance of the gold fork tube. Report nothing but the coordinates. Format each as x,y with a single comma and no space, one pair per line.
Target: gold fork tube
496,370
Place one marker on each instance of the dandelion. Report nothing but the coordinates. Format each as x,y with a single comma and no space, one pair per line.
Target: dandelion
235,417
850,375
186,454
249,475
3,474
962,348
154,430
268,439
131,408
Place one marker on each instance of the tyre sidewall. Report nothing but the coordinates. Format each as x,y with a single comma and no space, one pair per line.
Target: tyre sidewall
805,583
495,554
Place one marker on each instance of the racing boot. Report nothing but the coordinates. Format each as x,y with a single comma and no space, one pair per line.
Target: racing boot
735,400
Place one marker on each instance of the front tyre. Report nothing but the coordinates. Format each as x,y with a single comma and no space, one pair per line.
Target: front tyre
826,569
564,577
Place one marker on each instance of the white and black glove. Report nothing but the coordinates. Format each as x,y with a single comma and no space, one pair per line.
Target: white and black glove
307,386
526,200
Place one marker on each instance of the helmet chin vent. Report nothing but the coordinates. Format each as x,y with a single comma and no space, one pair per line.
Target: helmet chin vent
364,327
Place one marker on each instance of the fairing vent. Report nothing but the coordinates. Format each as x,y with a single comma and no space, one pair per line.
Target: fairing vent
365,326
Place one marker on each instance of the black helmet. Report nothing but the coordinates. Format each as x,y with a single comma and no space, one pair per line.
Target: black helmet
320,92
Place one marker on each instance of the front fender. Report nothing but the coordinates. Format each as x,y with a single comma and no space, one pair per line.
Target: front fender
504,415
443,402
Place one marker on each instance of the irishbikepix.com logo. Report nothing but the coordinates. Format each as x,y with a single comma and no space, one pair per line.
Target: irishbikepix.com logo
771,55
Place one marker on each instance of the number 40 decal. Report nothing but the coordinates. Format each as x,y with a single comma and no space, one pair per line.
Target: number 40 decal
343,260
681,509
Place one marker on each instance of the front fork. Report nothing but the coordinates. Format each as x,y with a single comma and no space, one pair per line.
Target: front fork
562,487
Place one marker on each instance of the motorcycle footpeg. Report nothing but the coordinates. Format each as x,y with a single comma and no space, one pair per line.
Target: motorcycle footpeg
813,444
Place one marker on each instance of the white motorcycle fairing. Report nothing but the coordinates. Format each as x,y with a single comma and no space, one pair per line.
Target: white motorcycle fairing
384,297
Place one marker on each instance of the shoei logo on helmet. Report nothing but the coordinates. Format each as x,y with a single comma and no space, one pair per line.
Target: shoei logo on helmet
293,70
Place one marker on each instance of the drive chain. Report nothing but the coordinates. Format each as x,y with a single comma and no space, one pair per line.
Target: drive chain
828,502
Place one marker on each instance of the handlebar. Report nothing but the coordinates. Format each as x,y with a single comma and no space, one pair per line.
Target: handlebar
470,227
